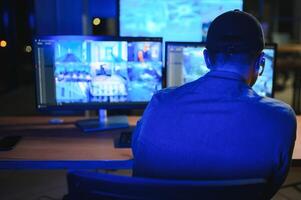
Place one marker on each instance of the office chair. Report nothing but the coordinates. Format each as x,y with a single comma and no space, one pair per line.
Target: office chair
85,185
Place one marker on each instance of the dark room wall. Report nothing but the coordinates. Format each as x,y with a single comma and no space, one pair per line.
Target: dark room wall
58,17
68,16
103,8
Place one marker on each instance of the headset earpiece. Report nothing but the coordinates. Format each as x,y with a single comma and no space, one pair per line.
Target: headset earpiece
260,63
207,58
261,66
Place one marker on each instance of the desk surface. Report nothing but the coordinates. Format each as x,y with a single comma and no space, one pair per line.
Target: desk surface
289,48
48,146
65,144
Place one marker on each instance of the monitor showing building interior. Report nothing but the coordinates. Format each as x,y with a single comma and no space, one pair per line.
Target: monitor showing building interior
83,70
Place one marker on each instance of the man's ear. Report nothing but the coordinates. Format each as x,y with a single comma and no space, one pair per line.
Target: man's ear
207,59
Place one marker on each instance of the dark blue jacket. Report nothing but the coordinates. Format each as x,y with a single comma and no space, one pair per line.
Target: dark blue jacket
216,127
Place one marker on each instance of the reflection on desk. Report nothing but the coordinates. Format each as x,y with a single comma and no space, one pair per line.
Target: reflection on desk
64,146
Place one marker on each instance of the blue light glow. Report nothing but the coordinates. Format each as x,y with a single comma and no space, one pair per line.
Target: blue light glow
5,19
31,21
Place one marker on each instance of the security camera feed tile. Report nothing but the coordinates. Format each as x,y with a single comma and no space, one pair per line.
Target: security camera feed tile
186,63
104,71
174,20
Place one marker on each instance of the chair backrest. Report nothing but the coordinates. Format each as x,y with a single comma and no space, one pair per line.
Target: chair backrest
92,185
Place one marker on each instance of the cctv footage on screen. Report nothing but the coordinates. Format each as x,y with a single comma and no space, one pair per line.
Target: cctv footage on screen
100,71
186,63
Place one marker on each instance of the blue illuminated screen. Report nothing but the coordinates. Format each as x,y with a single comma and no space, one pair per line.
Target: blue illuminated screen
174,20
83,70
185,63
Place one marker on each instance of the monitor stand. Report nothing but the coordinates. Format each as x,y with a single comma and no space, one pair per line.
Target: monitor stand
103,122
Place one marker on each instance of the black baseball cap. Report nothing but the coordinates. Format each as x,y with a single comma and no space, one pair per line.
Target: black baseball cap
235,32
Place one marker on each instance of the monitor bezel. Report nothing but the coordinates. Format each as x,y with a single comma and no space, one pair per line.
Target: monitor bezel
94,105
273,46
203,44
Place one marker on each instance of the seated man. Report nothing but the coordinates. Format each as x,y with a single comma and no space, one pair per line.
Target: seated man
217,127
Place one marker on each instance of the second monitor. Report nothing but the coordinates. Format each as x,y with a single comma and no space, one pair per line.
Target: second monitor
185,63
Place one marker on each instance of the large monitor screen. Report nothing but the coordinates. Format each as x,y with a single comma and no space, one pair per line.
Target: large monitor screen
174,20
185,63
94,71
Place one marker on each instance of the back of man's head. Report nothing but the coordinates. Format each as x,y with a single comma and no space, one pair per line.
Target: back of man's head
234,38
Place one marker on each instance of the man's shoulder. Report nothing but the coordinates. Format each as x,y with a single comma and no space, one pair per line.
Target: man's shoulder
175,92
164,95
269,107
168,98
274,109
275,105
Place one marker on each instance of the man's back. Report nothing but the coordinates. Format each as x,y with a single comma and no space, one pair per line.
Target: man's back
217,127
214,128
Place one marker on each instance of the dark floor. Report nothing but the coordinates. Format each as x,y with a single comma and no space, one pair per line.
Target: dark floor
291,193
51,184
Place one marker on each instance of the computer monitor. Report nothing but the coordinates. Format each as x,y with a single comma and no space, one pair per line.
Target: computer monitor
89,72
185,63
174,20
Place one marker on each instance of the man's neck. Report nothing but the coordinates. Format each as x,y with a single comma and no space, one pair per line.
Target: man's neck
230,69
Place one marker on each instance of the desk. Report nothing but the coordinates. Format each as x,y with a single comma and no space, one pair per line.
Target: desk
288,48
64,146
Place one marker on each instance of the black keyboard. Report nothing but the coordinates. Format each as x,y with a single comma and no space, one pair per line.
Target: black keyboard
9,142
124,140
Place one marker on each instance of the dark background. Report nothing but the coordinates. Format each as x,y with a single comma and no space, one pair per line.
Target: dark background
21,20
